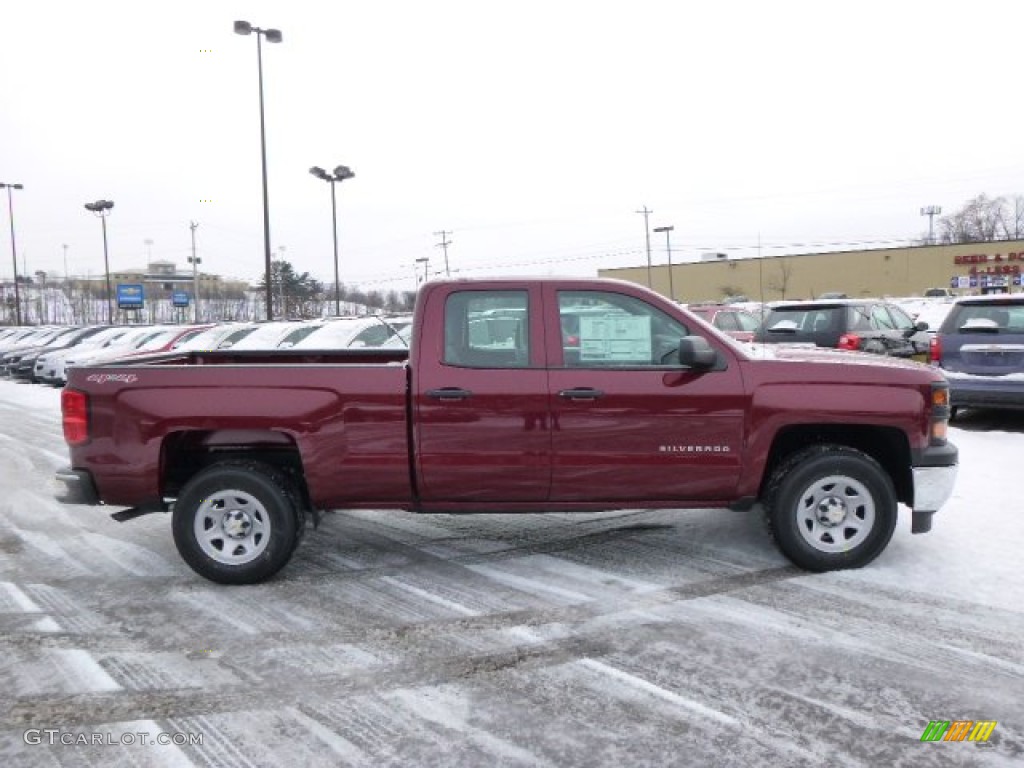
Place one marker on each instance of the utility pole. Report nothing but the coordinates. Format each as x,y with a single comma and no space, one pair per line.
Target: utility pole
195,261
444,245
647,235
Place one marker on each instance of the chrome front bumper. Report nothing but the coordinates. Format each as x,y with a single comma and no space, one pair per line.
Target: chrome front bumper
933,486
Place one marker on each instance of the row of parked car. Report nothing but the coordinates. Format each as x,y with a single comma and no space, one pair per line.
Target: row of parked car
977,341
44,354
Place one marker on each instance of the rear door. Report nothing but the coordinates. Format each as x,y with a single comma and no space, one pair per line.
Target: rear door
627,422
480,395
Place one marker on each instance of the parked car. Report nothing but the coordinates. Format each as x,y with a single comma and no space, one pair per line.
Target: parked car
980,349
24,362
264,335
728,318
347,332
865,325
480,416
31,347
212,338
47,365
114,349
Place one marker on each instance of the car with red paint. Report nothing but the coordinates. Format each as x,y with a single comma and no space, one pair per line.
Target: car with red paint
493,408
731,320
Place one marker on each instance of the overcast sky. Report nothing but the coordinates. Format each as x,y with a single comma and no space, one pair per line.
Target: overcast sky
532,130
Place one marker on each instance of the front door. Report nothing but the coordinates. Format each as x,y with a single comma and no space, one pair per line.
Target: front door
627,422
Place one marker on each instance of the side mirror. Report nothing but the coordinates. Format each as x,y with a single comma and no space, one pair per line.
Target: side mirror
695,352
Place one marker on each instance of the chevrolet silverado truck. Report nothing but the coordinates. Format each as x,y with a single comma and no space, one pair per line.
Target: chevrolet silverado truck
513,396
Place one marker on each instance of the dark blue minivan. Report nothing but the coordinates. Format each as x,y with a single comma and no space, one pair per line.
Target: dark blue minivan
980,349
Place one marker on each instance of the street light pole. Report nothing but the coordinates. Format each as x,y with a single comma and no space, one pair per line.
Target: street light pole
194,261
102,209
341,173
668,247
931,211
647,235
14,250
425,261
273,36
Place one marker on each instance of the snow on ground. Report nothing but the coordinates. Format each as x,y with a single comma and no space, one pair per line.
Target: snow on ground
647,638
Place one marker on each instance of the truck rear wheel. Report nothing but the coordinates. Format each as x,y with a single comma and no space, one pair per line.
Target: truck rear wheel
236,523
831,507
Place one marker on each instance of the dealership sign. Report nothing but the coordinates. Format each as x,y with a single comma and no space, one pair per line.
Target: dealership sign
179,299
129,296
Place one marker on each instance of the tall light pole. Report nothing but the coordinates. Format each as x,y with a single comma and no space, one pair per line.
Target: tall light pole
102,209
194,261
341,173
668,247
931,211
425,261
273,36
647,235
14,250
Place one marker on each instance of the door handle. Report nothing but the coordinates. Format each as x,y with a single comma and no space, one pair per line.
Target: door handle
581,393
449,394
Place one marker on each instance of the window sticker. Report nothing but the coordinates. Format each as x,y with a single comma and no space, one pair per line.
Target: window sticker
615,339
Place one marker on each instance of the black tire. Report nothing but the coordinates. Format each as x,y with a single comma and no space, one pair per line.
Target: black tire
248,514
831,507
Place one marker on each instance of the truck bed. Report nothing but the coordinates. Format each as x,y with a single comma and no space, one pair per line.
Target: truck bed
343,412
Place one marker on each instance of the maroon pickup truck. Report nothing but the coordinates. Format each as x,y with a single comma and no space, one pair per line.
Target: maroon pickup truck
515,396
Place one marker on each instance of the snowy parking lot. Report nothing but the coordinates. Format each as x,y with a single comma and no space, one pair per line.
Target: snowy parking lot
652,638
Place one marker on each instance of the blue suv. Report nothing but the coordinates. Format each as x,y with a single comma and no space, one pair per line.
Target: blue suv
980,349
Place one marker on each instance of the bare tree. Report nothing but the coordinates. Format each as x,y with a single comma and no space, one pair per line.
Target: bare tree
983,219
782,283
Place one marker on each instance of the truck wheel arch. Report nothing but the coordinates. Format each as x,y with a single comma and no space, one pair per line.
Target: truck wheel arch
185,453
888,446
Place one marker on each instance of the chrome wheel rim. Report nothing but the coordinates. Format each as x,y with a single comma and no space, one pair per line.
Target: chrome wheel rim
232,527
835,514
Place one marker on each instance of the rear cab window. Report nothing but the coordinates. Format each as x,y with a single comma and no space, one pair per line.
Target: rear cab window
487,329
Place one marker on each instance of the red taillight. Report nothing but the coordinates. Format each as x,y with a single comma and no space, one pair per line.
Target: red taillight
849,341
74,406
935,349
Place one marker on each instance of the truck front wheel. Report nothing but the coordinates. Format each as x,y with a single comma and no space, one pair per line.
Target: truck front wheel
236,523
831,507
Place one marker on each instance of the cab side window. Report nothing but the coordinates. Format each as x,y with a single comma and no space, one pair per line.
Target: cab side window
487,329
602,329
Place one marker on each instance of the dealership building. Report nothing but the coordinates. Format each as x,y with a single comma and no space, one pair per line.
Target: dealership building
968,268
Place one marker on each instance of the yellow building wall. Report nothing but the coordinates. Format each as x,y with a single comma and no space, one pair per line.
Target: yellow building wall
887,272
